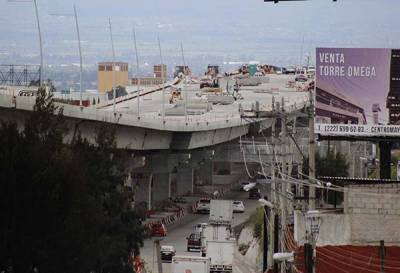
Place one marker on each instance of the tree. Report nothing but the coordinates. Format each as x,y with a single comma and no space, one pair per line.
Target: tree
333,164
63,207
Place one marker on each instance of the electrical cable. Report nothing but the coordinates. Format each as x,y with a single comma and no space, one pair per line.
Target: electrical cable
347,265
340,256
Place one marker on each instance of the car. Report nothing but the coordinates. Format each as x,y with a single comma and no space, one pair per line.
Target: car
254,193
290,70
167,252
203,205
158,230
244,183
238,206
301,78
193,242
179,200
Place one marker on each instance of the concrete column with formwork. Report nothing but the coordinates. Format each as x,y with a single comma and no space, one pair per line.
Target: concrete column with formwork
160,187
203,174
184,180
142,183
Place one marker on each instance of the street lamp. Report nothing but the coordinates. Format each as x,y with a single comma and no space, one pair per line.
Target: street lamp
80,49
266,203
137,73
113,64
39,34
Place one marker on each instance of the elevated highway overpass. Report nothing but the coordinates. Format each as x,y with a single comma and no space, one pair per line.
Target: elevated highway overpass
149,130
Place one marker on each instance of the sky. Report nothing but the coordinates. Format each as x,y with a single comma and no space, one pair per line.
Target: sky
231,31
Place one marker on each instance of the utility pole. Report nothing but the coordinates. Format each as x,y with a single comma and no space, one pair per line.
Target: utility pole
382,255
308,258
266,240
162,79
137,74
284,185
311,153
158,252
113,65
273,242
276,240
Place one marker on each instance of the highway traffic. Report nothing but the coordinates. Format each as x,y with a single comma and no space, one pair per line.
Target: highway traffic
181,229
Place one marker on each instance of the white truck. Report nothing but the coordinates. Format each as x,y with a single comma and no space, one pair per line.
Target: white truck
221,254
213,233
189,264
221,212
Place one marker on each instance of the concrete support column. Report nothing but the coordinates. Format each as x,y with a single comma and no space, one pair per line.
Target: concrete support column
160,187
204,173
185,181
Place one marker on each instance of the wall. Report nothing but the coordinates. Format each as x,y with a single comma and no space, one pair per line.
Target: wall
334,229
367,219
373,217
105,80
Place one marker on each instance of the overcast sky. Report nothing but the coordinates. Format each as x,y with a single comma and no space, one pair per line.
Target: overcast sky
234,29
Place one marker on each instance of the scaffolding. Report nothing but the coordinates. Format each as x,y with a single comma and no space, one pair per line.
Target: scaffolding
20,75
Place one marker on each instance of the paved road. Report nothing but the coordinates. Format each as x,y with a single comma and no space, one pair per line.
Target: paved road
178,232
151,104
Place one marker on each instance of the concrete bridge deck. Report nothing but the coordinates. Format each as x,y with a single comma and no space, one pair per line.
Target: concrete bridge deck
152,131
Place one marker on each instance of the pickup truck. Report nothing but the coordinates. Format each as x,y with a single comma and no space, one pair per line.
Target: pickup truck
193,242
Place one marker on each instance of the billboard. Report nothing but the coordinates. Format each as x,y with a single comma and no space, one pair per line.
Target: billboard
357,86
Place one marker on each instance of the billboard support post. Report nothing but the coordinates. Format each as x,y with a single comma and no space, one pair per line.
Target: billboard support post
384,159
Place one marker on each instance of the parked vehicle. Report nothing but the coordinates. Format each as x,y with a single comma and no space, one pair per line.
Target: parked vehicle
203,206
190,264
301,78
290,70
221,254
238,206
254,193
158,230
179,199
193,242
167,253
244,183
